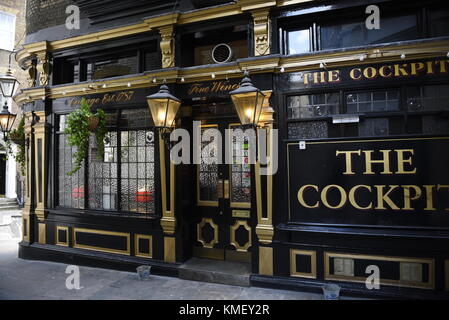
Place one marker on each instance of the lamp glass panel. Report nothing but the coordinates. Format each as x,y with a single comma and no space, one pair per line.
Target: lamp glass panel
158,109
248,106
173,109
6,122
7,86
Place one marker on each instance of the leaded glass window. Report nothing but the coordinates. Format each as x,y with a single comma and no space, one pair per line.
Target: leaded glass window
137,171
207,170
240,168
313,105
71,188
372,101
103,174
120,180
428,98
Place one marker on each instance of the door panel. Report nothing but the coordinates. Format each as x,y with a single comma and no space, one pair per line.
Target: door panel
223,205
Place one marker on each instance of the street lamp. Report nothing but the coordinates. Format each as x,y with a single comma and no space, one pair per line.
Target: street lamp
8,87
163,107
248,102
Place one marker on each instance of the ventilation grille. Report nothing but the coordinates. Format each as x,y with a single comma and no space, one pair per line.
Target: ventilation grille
222,53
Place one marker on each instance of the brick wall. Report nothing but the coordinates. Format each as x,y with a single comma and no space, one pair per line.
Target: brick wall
46,13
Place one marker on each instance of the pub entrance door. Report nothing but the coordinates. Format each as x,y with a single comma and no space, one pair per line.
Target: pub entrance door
2,175
223,197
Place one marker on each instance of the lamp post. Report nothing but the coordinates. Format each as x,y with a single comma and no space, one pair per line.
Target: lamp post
8,87
248,102
163,108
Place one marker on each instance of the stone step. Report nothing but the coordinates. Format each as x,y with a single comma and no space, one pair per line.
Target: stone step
223,272
7,200
9,208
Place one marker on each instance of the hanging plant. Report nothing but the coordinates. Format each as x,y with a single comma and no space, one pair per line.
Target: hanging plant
80,124
17,136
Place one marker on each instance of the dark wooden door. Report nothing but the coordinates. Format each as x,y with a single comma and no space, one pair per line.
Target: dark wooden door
223,197
2,174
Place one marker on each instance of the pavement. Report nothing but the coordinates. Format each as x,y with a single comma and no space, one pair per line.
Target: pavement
38,280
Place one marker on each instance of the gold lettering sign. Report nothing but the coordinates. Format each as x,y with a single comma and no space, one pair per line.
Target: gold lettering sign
213,87
108,98
388,71
385,197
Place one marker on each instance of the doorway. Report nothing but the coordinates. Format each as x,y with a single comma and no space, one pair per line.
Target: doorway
223,225
2,175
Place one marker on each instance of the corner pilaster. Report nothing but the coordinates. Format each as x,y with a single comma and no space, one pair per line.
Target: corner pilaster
264,228
30,205
41,163
168,220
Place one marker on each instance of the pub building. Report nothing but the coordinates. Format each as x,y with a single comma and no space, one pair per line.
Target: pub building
356,119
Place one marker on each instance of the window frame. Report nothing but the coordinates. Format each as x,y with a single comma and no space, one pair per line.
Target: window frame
404,114
118,212
314,18
13,39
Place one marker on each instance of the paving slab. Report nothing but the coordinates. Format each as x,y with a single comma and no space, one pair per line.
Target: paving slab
39,280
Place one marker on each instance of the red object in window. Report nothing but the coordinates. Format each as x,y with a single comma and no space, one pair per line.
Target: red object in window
143,196
78,193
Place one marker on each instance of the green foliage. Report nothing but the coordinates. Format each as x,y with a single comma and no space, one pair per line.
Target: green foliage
19,135
77,129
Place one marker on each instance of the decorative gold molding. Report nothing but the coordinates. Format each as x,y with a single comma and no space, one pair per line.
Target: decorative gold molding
102,232
389,53
42,234
167,45
246,5
294,268
422,285
170,249
29,207
168,220
264,228
41,165
266,261
234,242
263,64
200,238
43,67
138,253
58,241
25,227
261,32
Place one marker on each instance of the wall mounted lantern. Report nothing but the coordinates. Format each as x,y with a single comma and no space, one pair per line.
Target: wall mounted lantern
163,108
8,86
248,102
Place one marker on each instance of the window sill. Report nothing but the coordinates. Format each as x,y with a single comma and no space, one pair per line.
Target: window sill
97,213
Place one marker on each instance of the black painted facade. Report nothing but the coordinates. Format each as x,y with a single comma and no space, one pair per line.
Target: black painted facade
386,107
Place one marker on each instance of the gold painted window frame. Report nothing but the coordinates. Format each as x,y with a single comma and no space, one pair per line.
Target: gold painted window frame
387,282
101,249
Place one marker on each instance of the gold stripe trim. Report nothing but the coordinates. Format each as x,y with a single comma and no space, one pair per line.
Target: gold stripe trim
138,253
102,232
398,283
293,266
58,242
